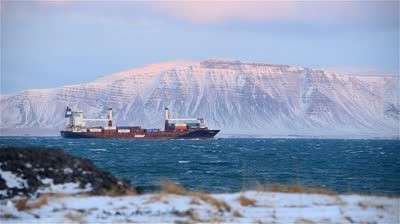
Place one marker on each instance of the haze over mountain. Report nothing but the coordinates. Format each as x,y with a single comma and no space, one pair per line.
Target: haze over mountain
236,97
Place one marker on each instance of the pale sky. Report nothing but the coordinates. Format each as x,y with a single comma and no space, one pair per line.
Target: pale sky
47,44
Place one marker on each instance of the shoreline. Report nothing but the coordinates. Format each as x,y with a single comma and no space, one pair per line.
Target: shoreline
169,207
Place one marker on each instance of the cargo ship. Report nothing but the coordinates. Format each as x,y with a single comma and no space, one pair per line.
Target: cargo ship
175,128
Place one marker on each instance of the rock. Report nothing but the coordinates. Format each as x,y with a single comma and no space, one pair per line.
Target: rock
38,168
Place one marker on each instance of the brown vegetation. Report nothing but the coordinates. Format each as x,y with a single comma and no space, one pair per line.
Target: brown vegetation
189,213
365,205
298,189
304,221
237,214
22,204
172,188
7,216
245,201
194,202
156,198
116,191
75,217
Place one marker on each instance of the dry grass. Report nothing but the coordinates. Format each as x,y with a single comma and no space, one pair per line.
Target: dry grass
260,187
298,189
154,198
22,204
292,188
245,201
220,205
194,202
237,214
7,216
171,188
365,205
75,217
189,213
157,198
304,221
362,205
115,192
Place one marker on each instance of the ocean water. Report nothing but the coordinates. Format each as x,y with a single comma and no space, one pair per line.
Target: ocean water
228,165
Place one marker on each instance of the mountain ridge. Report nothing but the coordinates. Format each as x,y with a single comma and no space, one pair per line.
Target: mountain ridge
236,97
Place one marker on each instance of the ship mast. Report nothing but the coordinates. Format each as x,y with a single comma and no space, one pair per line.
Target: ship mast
166,127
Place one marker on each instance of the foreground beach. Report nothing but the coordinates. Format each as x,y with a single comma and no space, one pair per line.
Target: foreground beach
245,207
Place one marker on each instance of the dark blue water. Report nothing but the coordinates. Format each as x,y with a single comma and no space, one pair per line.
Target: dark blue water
221,165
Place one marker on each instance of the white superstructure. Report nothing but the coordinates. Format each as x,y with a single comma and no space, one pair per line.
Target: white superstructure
76,122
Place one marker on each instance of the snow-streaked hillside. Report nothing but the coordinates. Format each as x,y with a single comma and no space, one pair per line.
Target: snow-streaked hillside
236,97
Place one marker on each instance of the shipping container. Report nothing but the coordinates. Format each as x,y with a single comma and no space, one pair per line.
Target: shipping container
193,124
180,128
123,131
129,127
180,125
110,128
95,129
152,130
123,127
194,127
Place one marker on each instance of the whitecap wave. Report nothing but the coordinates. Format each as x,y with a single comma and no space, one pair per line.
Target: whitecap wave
183,161
98,150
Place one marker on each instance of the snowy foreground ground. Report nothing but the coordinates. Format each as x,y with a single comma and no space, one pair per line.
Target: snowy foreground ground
255,207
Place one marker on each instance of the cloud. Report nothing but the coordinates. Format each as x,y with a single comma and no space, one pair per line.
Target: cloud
375,13
323,12
211,12
54,2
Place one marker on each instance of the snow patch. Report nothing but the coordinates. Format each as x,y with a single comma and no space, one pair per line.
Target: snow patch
68,170
66,188
12,180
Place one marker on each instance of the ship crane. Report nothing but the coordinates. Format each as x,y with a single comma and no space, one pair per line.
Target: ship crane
75,118
169,122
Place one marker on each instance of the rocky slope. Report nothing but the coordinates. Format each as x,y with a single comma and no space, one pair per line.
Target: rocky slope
236,97
34,171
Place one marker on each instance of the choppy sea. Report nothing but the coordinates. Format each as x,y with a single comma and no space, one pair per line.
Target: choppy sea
228,165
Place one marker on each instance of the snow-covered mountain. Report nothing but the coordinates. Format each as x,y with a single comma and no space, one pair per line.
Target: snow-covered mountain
236,97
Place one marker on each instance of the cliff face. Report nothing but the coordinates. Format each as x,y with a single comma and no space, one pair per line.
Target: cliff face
236,97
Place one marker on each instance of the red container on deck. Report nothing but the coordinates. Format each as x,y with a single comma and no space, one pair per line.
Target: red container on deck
180,128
